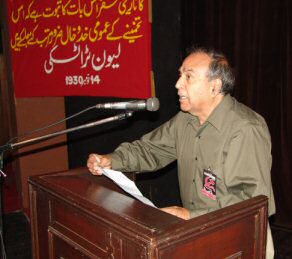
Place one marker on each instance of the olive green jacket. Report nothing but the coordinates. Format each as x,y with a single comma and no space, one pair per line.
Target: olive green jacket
233,145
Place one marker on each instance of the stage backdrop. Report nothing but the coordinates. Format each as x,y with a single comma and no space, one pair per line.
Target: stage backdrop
81,48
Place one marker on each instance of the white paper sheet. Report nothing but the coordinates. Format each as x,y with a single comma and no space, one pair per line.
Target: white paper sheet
127,185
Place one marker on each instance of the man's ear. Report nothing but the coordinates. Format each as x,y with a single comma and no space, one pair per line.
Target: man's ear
216,86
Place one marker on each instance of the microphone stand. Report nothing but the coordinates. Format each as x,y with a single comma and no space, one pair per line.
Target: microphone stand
10,146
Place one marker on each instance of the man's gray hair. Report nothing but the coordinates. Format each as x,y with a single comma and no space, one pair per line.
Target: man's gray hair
219,68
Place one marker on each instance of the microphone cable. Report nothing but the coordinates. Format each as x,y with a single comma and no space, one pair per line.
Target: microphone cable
10,141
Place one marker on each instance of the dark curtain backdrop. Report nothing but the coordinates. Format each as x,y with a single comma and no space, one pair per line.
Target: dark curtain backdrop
256,37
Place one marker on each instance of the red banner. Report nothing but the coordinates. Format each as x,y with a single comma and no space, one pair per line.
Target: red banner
79,47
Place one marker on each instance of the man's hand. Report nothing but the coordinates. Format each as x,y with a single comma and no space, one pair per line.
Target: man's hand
97,162
178,211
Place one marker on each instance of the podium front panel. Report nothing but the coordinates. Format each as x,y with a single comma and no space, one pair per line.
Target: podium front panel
77,215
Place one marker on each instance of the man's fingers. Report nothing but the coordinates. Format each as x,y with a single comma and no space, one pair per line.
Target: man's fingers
177,211
96,163
93,164
97,159
95,171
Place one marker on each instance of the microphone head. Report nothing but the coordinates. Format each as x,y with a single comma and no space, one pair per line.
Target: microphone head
152,104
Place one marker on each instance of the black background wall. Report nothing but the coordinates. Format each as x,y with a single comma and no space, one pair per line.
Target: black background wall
160,186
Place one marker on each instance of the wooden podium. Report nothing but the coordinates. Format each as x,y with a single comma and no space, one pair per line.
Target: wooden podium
77,215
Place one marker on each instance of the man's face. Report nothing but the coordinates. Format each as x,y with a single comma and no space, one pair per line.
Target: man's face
194,88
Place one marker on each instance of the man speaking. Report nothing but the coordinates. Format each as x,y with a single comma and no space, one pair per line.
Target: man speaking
222,147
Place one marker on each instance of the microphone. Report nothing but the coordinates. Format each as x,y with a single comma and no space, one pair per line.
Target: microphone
150,104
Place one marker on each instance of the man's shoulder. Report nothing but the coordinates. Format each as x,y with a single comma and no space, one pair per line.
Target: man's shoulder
242,120
244,115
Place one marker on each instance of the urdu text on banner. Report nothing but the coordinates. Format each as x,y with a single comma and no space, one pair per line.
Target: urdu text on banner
81,48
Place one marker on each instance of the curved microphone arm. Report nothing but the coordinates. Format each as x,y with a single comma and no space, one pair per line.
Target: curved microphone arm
10,146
